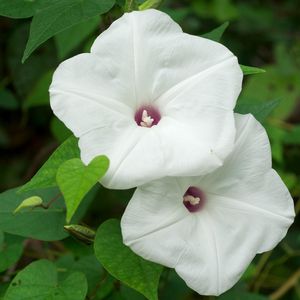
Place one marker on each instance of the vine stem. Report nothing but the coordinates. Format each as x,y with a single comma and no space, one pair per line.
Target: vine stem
291,282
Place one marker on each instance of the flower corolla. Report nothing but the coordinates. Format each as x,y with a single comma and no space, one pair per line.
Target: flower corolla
158,102
209,228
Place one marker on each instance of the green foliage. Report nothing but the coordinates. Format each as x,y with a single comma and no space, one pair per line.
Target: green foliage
24,77
46,176
67,13
130,5
220,10
8,100
122,263
292,137
21,8
241,295
38,223
217,33
274,84
30,202
251,70
150,4
259,34
88,265
59,130
75,180
11,249
67,40
40,281
39,95
260,111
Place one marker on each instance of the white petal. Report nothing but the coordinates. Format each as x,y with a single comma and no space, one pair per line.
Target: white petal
139,40
164,60
81,96
186,151
229,234
189,78
155,223
245,174
144,57
248,211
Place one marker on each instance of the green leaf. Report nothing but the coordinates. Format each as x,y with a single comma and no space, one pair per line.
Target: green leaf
46,176
68,40
21,8
39,95
88,265
8,100
11,249
292,137
259,110
122,263
30,202
251,70
60,15
38,223
75,180
3,288
217,33
40,281
59,130
150,4
25,76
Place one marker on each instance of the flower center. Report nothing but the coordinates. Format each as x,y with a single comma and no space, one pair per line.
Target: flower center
194,199
147,116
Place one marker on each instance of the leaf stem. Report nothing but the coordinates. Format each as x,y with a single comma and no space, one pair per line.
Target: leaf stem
48,205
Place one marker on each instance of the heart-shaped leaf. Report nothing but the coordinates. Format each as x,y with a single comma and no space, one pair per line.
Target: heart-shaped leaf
122,263
75,180
40,281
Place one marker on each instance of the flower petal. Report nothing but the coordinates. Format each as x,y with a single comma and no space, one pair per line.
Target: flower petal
144,57
82,98
186,151
246,174
155,223
248,210
164,59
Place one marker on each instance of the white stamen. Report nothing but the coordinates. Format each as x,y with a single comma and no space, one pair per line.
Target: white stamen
193,200
146,119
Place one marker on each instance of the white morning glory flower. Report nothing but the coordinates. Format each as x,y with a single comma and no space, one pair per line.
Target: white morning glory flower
158,102
209,228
